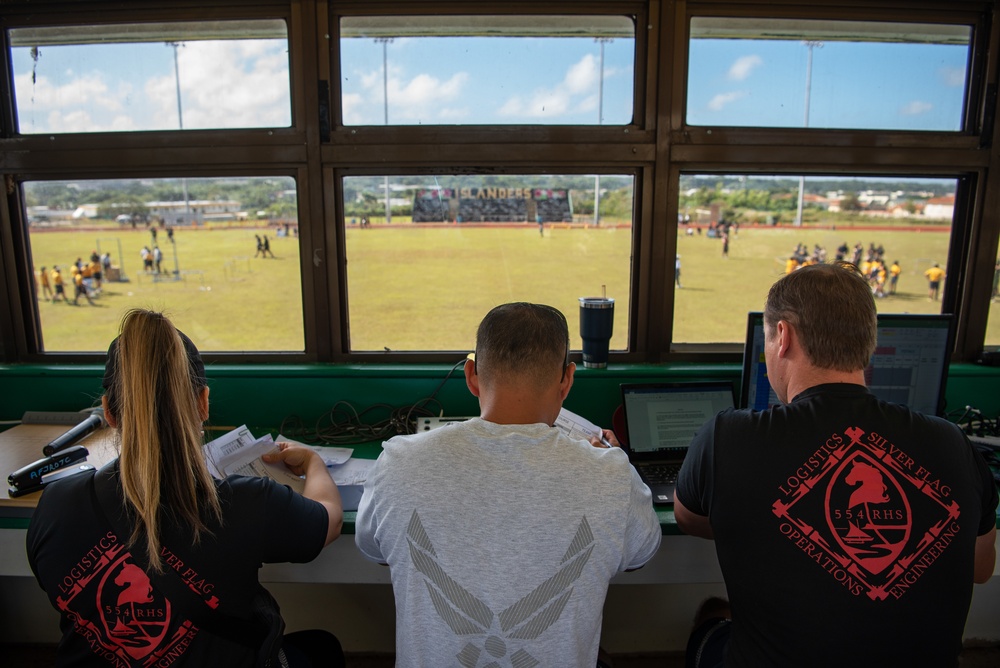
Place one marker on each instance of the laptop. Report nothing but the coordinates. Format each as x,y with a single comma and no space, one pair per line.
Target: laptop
660,421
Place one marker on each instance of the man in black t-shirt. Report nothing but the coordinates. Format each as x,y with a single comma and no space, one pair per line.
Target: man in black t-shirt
849,530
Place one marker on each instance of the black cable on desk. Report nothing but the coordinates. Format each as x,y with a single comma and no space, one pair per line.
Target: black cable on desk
344,425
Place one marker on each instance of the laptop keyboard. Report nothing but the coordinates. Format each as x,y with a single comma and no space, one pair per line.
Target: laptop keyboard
661,474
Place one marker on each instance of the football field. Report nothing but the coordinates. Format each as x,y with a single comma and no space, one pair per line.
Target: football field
416,288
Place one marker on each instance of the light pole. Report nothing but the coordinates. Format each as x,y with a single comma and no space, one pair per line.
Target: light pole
810,44
385,41
600,119
180,123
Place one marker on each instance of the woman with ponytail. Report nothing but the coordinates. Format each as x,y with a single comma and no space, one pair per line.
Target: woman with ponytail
151,561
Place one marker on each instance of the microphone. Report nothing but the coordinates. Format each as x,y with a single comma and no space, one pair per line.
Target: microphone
73,436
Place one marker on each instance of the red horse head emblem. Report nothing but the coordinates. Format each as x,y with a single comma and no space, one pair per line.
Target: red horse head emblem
134,616
868,512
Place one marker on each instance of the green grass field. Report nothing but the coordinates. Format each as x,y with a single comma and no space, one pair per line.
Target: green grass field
226,300
414,288
717,292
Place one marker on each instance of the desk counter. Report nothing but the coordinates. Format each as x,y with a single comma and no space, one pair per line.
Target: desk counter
691,560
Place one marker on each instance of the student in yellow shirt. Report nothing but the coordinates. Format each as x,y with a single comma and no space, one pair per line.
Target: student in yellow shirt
46,284
934,277
894,271
57,282
81,289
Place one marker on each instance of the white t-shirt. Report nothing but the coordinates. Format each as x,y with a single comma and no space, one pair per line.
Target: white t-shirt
501,540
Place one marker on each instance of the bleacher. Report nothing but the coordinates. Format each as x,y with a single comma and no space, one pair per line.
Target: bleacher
492,210
437,206
554,210
427,210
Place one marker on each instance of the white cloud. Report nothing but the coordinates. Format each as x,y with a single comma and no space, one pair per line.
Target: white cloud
422,98
721,100
353,108
43,94
582,76
915,108
71,107
224,85
743,66
574,94
70,121
423,90
953,77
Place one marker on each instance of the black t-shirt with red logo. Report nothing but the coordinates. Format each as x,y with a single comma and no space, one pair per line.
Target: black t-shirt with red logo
111,614
845,527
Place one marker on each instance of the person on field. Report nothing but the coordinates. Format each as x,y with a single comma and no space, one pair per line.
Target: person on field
57,285
934,277
44,279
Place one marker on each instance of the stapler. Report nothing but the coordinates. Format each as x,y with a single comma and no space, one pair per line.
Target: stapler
37,475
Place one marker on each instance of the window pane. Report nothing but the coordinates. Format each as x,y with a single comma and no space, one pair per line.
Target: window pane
170,76
487,70
737,235
187,246
993,323
456,246
827,74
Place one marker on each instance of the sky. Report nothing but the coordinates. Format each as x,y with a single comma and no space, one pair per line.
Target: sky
853,84
488,80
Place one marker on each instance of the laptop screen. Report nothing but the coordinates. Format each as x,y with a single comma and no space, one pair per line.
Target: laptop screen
909,367
662,418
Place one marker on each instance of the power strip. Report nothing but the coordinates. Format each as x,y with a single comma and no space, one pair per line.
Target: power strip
54,417
429,423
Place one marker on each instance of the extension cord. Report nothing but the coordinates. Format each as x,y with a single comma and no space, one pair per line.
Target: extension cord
54,417
429,423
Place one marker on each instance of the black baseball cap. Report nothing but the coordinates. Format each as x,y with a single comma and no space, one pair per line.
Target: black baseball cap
195,364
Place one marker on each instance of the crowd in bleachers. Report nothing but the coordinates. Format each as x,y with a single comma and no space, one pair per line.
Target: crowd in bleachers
491,210
426,210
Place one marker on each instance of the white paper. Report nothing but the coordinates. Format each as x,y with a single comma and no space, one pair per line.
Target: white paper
225,449
239,453
353,472
578,427
331,456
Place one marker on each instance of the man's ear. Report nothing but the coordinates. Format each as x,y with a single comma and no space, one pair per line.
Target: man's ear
786,337
567,381
471,377
108,415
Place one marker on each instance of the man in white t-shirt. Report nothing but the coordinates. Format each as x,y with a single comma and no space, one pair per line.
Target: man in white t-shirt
502,532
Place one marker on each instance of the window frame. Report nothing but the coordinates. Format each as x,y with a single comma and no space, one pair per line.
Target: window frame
318,150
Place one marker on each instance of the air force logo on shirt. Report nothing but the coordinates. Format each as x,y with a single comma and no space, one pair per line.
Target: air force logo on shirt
493,636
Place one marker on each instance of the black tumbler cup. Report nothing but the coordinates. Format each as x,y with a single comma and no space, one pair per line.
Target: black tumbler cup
597,319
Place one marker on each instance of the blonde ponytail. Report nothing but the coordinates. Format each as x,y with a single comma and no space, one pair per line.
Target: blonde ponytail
154,396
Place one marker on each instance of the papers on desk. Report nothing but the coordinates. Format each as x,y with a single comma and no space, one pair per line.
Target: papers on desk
342,467
239,453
